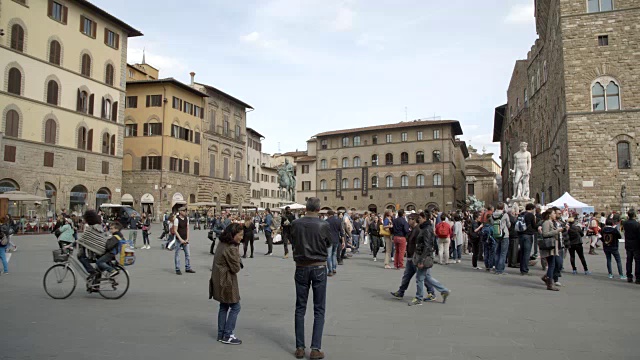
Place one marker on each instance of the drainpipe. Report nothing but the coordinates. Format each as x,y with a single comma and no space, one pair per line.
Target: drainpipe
160,186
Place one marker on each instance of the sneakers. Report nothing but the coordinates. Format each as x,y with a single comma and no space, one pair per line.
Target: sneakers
268,254
575,272
190,271
316,354
375,259
397,295
178,272
286,256
415,301
558,284
113,273
458,261
610,276
429,298
622,277
630,279
231,340
445,295
299,354
387,266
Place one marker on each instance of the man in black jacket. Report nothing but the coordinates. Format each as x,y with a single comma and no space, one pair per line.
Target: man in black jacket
632,245
527,237
425,244
337,242
285,224
310,239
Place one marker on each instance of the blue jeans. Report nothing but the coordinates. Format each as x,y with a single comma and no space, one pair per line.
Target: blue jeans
355,239
502,248
489,254
187,253
551,266
409,271
525,252
103,262
332,259
424,276
456,253
3,257
227,316
616,254
314,277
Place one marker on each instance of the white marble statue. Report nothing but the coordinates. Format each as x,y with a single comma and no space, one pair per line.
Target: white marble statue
521,171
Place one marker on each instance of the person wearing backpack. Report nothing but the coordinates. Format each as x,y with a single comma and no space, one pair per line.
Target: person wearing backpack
610,241
475,237
443,232
501,224
526,220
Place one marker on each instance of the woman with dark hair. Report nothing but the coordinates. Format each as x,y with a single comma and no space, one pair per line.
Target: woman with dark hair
223,286
374,234
248,237
549,230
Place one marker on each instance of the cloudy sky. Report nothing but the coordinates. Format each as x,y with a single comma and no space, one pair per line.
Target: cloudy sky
308,66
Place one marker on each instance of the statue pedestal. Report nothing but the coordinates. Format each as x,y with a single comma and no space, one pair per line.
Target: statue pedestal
522,203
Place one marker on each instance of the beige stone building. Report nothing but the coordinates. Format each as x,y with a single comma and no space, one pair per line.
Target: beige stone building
575,100
411,165
483,177
254,161
62,101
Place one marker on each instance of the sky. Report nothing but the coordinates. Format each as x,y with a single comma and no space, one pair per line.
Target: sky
309,66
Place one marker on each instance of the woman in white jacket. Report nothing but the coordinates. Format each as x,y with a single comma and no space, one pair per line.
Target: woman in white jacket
459,239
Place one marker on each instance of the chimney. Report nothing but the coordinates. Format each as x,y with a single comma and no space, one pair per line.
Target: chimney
192,77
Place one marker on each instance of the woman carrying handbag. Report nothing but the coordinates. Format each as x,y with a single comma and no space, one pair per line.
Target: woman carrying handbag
549,247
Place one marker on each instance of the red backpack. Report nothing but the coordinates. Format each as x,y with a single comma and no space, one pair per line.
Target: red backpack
442,231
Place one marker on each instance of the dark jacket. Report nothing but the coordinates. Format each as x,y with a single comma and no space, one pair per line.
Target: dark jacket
374,229
357,227
530,221
632,235
335,229
286,229
248,232
400,227
424,242
310,238
411,241
610,238
575,234
223,285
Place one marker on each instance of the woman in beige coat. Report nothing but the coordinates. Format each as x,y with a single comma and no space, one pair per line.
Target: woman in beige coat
549,230
223,285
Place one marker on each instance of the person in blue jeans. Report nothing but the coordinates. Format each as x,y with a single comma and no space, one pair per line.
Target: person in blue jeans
223,285
488,244
502,239
181,225
336,233
4,238
610,241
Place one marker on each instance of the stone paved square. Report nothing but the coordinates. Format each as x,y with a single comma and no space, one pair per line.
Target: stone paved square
165,316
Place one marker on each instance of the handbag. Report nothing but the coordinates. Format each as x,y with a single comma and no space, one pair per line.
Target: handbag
384,232
547,243
427,261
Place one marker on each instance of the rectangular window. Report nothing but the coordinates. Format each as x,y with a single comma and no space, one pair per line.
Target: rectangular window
403,136
80,165
186,168
131,130
599,5
237,132
88,27
111,39
374,140
105,167
58,12
173,164
345,141
419,135
389,138
305,169
471,189
9,153
48,159
356,141
132,102
154,100
306,185
152,129
436,134
188,108
225,130
603,40
197,111
177,103
196,168
323,144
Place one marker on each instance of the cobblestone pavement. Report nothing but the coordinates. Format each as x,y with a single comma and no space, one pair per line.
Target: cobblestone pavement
165,316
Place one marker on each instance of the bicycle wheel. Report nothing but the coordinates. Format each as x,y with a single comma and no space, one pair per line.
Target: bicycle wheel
115,287
59,281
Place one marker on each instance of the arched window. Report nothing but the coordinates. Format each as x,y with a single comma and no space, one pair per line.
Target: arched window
108,74
624,155
374,182
404,181
112,147
345,162
105,143
323,164
50,130
605,99
82,138
374,160
437,180
323,184
55,52
17,38
420,180
15,81
356,161
345,183
12,124
404,158
436,156
52,92
389,180
356,183
613,96
86,65
388,159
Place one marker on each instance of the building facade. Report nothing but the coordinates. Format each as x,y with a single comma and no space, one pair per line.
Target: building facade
254,161
483,177
62,101
575,101
411,165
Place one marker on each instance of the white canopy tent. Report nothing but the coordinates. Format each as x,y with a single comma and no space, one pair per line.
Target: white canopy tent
571,202
294,206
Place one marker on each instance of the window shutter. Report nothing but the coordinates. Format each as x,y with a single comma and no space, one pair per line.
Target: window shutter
114,111
117,41
50,8
145,130
65,12
91,98
79,106
90,140
94,29
82,24
143,164
102,109
148,100
106,36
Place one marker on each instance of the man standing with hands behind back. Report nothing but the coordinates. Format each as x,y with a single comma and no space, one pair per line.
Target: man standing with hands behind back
285,224
181,224
310,240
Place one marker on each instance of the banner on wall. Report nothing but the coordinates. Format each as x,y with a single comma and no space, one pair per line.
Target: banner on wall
339,183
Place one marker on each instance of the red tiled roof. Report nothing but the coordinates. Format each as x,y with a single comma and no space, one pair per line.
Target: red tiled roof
306,159
400,125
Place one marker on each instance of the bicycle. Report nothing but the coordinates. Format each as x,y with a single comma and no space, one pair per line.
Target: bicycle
60,280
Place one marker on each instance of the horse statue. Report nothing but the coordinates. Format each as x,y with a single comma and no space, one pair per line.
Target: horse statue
286,181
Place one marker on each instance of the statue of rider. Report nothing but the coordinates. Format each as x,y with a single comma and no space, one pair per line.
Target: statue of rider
288,168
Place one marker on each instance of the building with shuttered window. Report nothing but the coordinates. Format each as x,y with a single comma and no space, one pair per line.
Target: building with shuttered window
62,101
